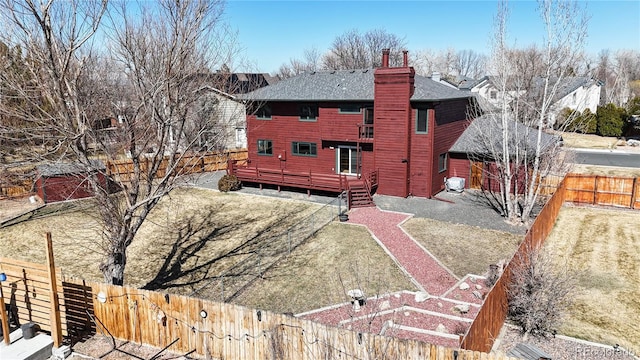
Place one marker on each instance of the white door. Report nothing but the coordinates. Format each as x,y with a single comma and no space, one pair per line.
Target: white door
347,159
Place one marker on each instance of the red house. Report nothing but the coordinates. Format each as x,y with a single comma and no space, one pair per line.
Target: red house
386,130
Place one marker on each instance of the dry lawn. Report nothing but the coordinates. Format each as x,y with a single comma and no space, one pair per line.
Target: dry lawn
320,272
590,141
462,248
605,170
603,247
190,236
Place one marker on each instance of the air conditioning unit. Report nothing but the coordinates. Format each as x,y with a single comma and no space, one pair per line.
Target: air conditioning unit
454,184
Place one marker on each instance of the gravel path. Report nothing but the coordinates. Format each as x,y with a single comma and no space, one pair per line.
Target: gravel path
419,264
468,208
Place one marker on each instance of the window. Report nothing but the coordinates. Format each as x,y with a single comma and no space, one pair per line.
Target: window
442,162
349,109
493,95
308,112
265,147
304,148
264,112
422,121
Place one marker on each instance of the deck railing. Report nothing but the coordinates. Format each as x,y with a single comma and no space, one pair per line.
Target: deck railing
306,180
365,131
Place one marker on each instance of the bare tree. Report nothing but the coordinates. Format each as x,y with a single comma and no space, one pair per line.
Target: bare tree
135,97
539,292
470,63
618,71
521,155
353,50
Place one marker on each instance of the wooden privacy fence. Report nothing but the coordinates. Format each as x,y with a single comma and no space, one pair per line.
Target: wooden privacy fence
486,326
603,190
24,188
220,330
124,170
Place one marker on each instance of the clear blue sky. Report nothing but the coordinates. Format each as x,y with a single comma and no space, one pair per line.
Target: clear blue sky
272,32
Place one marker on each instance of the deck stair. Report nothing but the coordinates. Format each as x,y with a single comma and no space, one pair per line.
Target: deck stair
359,195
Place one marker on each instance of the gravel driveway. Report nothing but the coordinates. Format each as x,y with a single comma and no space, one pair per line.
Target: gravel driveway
469,208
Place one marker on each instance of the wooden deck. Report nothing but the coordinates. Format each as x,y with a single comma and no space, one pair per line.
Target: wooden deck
337,183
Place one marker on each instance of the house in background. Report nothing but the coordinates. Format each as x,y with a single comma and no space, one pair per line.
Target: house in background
355,130
220,98
576,93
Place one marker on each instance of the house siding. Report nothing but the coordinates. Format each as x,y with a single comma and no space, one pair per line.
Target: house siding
330,130
450,122
460,166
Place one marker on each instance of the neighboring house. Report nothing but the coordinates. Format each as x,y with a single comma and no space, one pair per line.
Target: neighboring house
219,100
341,130
490,96
471,156
576,93
220,121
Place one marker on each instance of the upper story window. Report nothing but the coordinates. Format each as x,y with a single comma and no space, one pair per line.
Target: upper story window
493,95
349,109
265,147
422,121
264,112
304,148
308,112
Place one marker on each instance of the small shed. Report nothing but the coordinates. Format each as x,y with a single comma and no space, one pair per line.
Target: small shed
67,181
528,352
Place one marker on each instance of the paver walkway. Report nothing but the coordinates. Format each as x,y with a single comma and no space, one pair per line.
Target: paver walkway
436,317
413,258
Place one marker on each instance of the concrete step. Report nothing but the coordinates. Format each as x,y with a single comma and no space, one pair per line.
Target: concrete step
37,348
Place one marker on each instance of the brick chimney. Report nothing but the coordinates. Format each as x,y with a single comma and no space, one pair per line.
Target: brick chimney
385,58
393,89
405,58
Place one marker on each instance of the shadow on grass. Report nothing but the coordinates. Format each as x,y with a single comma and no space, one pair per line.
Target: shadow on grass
191,264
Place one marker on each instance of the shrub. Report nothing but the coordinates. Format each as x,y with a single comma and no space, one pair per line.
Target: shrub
611,120
539,292
572,121
229,183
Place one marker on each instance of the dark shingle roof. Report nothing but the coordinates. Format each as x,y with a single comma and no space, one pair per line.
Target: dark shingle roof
345,85
68,168
484,136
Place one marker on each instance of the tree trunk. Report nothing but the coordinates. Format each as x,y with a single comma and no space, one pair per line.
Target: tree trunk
113,268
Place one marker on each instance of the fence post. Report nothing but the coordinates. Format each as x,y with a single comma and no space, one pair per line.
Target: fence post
56,326
5,319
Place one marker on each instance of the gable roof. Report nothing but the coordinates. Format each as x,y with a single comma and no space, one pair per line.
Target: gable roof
566,86
345,85
485,133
